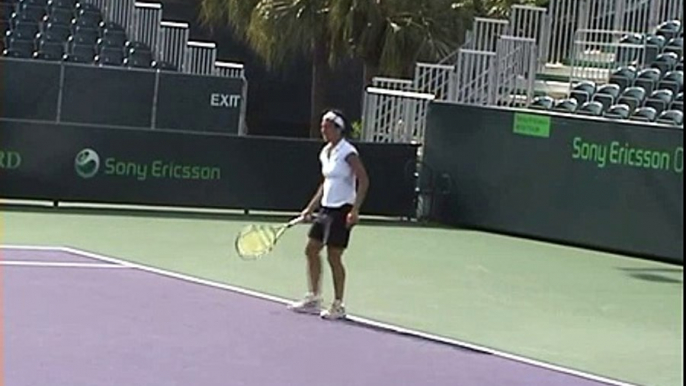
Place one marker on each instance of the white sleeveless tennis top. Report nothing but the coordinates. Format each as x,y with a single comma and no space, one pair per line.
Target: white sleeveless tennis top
339,179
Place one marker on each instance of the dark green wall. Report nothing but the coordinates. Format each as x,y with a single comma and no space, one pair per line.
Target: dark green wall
85,94
588,182
86,164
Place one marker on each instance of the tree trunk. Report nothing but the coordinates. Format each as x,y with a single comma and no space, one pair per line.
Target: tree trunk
320,76
370,71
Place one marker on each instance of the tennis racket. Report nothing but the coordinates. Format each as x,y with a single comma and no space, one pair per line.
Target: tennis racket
255,241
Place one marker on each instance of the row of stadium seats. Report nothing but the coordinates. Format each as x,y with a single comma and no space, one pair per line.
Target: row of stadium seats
71,31
626,108
669,90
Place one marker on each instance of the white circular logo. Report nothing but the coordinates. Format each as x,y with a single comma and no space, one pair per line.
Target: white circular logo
87,163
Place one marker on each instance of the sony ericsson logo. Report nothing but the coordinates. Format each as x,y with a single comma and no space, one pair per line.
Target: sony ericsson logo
10,160
87,163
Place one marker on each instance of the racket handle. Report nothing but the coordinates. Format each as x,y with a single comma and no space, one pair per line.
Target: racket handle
296,221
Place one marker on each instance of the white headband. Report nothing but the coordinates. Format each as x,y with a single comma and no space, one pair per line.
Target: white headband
335,118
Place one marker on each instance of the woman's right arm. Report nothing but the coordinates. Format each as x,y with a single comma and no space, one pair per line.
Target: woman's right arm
314,203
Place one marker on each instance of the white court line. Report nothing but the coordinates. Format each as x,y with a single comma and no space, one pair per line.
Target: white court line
14,263
356,319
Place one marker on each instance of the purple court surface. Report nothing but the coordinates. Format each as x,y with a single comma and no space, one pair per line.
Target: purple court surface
76,325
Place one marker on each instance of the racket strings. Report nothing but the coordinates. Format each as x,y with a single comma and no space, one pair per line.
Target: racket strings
256,241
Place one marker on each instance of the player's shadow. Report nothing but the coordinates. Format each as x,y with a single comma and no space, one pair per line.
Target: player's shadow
657,275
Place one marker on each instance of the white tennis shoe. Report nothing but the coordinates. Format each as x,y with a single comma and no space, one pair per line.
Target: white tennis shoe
310,304
336,311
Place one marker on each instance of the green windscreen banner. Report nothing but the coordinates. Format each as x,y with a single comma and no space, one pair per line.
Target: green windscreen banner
615,186
154,167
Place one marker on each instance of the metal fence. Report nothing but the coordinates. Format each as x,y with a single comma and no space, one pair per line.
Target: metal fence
392,115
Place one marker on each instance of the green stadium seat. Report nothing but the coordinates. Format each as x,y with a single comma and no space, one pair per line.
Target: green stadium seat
592,108
644,114
660,100
138,58
620,111
624,76
675,45
633,97
110,56
607,94
19,48
654,46
678,103
665,62
49,50
54,32
544,102
583,91
669,29
648,78
673,80
86,34
164,66
59,16
62,4
80,53
671,117
569,106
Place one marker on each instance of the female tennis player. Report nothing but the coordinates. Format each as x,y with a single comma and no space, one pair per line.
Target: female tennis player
337,202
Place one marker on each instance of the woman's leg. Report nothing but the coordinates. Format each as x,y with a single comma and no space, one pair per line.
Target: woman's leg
337,309
314,265
311,304
335,256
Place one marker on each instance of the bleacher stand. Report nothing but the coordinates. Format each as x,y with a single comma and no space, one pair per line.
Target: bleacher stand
72,31
647,91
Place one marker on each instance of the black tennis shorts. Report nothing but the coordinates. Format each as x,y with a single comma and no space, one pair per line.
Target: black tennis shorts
329,227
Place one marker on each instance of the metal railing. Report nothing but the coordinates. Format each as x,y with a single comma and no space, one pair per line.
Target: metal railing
436,79
117,11
596,54
173,43
200,58
532,23
474,77
515,71
628,16
486,33
147,18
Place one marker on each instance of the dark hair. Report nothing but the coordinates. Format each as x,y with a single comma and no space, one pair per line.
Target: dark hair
347,129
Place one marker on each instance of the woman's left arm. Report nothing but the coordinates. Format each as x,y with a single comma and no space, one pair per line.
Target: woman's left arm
363,186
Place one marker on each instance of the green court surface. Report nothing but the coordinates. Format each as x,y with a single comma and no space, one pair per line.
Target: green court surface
603,314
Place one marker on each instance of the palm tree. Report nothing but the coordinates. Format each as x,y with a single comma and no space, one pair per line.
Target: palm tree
390,36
